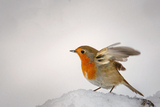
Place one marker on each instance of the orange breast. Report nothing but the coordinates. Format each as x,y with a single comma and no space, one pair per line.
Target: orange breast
88,68
89,71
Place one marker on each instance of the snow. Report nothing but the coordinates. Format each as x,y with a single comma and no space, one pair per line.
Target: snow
155,99
89,98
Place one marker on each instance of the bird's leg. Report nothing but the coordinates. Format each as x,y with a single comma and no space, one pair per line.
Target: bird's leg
97,89
112,89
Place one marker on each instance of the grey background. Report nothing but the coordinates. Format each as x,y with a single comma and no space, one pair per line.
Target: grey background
36,36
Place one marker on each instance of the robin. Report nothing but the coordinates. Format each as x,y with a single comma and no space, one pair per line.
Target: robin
101,68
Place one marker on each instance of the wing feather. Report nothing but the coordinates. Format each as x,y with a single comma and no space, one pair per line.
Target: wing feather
119,53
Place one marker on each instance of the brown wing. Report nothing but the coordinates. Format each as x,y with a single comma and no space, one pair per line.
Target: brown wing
119,66
120,53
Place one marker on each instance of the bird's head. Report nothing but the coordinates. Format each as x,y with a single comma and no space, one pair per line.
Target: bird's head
86,53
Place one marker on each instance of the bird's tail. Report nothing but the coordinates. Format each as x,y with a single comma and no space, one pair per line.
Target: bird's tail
132,88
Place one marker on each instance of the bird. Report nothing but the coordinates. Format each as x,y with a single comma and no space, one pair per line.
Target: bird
101,68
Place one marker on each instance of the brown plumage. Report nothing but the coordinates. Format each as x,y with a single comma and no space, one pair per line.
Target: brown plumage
101,68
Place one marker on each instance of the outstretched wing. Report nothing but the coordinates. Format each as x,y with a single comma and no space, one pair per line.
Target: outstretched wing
119,53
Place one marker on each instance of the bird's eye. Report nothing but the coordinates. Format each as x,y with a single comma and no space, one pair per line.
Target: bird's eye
82,51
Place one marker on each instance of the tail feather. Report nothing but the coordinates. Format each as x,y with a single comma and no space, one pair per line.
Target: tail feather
132,88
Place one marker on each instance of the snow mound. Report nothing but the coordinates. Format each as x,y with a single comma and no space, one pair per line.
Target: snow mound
88,98
155,99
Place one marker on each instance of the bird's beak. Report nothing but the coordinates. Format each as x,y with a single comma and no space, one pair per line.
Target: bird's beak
73,51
